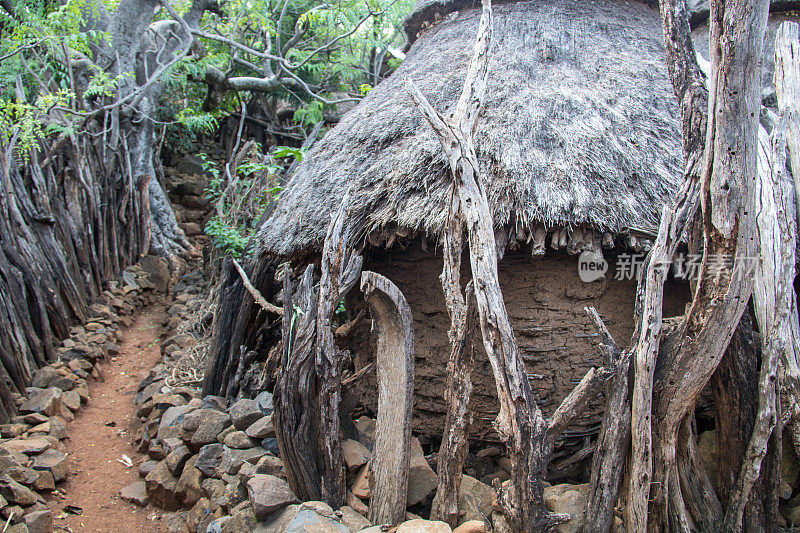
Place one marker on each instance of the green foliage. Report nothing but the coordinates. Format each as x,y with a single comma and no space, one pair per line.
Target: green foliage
309,114
24,121
197,122
256,187
228,239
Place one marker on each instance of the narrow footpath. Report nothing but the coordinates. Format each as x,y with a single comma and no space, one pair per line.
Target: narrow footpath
98,439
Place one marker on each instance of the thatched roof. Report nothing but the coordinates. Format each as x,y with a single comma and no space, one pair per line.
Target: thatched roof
579,128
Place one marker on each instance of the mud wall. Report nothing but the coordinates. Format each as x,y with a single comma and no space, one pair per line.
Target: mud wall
545,300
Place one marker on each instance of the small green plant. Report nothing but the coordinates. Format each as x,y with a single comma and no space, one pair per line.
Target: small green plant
228,239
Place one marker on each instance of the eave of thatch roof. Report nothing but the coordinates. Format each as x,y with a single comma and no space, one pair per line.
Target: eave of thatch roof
579,128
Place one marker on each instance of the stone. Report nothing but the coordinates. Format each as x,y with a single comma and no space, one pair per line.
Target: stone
174,523
13,430
198,513
189,488
135,493
308,521
244,413
472,526
239,441
213,488
355,503
236,491
269,464
161,485
269,494
45,482
271,445
28,446
177,458
35,419
21,474
191,229
355,454
321,508
146,467
209,459
707,449
232,459
242,519
39,521
218,524
352,519
423,526
422,479
52,461
18,528
573,503
474,501
44,401
264,401
174,416
58,428
208,424
72,400
361,482
279,522
156,269
42,378
261,429
216,403
227,431
17,493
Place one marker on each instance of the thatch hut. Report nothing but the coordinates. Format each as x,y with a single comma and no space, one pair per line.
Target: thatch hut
580,146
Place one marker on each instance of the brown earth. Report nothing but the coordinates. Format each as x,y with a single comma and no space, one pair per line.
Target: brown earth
98,438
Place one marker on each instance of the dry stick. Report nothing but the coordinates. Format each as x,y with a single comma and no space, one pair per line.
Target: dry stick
774,296
787,87
340,270
454,447
612,443
696,346
260,300
519,423
393,326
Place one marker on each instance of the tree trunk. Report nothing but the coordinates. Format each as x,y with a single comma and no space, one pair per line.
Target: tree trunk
296,411
340,271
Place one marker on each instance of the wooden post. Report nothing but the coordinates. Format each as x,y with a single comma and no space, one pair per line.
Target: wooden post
455,445
340,271
393,326
295,409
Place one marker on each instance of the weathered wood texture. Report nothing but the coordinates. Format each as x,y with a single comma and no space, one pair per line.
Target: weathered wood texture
605,482
455,443
296,411
392,324
787,87
68,225
520,422
692,351
340,271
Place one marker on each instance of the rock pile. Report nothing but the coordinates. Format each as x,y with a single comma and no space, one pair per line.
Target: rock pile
186,183
32,458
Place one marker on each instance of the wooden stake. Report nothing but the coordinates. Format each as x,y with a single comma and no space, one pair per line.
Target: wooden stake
393,326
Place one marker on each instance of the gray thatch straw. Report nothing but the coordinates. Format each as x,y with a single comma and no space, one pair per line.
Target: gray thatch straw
579,127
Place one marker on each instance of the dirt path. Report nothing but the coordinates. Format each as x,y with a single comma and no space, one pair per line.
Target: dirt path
98,437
